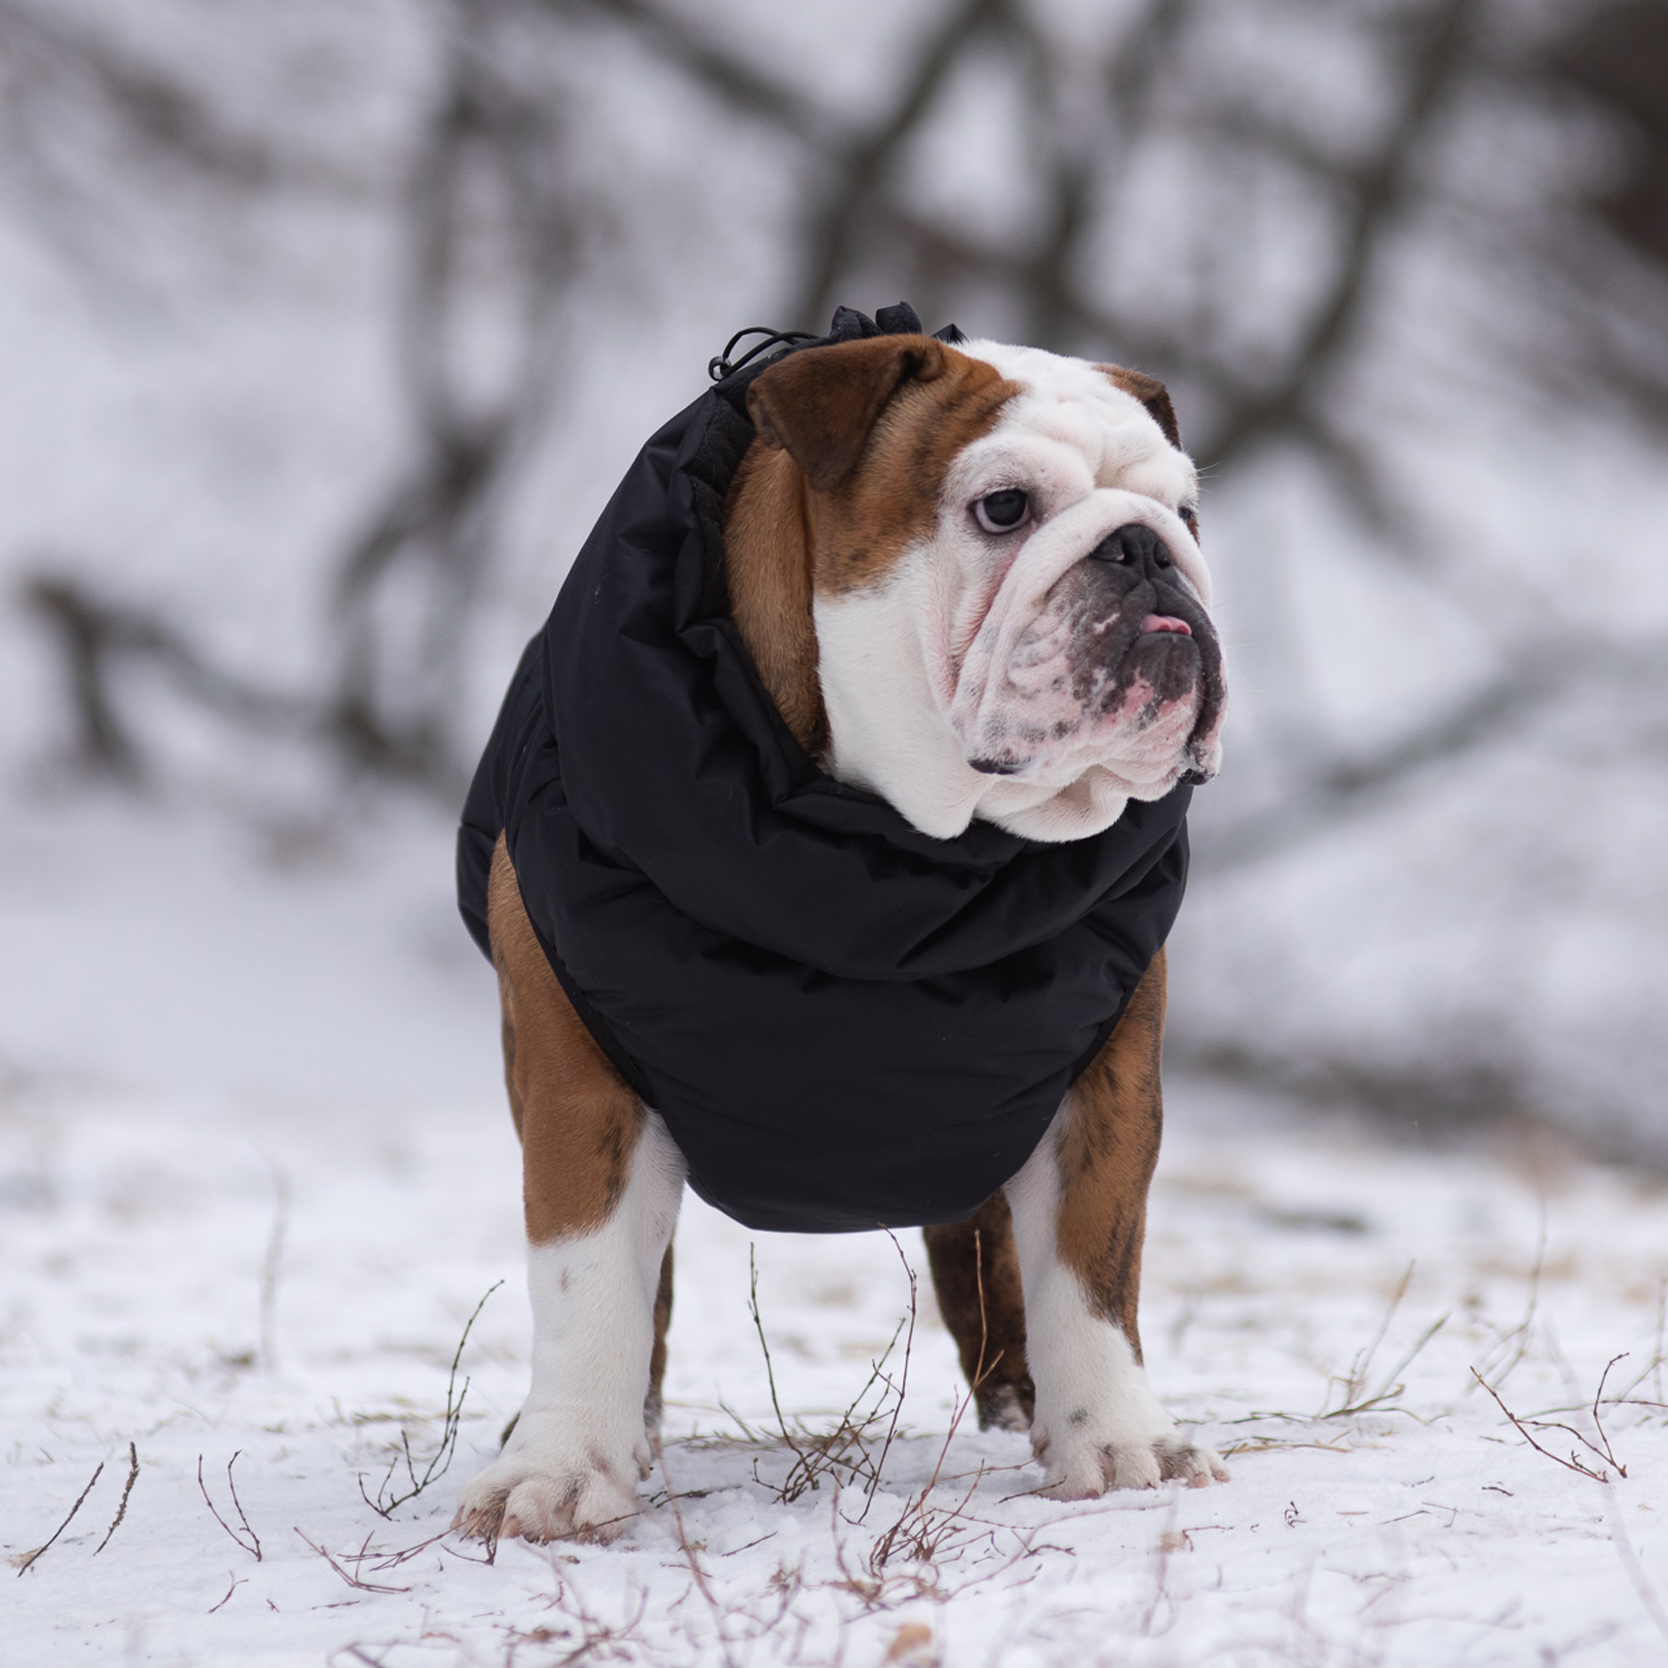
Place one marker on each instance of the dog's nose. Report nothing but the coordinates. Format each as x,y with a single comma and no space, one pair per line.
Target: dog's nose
1137,546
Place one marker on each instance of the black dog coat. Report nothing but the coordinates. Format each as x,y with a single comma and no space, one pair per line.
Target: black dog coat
844,1022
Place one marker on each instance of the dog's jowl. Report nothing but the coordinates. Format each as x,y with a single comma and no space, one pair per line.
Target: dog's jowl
825,848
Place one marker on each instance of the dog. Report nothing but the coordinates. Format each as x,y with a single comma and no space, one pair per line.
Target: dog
825,851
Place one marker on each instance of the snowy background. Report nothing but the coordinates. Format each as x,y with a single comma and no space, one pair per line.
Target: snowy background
325,330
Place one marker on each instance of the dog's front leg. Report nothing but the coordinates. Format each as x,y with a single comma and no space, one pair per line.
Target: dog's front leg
1079,1216
601,1184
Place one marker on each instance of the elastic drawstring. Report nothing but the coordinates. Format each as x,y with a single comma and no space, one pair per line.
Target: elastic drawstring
721,365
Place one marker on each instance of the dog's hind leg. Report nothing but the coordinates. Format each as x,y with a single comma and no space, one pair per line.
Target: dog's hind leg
601,1185
657,1355
1079,1209
975,1274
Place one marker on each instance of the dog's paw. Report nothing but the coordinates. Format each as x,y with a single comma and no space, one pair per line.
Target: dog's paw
1085,1470
1002,1407
547,1486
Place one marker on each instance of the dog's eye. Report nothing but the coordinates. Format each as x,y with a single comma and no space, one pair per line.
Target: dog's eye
1002,512
1190,518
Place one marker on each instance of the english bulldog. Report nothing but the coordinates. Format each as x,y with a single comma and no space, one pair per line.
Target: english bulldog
966,578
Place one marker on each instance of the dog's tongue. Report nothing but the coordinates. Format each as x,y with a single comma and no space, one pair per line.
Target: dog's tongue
1166,622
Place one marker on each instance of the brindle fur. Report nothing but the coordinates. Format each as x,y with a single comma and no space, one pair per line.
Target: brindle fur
975,1274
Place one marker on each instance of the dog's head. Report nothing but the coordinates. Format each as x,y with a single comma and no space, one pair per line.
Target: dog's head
970,579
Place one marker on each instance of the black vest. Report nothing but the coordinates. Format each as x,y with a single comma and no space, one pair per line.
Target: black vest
844,1022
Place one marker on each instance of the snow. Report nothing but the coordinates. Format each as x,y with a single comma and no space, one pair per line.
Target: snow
139,1201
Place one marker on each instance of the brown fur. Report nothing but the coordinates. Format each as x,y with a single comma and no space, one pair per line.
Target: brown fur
1152,394
657,1356
873,426
854,441
1107,1155
975,1274
821,405
767,564
577,1118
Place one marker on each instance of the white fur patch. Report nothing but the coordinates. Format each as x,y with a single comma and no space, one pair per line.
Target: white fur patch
573,1461
1097,1424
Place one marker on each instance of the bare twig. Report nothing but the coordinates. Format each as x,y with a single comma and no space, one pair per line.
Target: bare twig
1354,1400
253,1545
270,1264
1168,1542
1526,1429
1379,189
351,1580
844,1445
28,1562
697,1574
1517,1341
787,110
389,1496
237,1581
902,1386
127,1489
863,167
1649,1597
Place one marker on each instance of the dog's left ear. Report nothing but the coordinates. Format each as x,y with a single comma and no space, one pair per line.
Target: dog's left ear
1152,394
821,404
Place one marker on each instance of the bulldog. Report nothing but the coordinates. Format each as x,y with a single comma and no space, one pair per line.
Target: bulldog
825,851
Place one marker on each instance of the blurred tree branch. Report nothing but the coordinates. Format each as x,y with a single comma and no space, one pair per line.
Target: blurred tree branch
491,217
1120,104
1315,796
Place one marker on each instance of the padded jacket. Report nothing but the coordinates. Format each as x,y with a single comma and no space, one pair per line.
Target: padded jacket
844,1022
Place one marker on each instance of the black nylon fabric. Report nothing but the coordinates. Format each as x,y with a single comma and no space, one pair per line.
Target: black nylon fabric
844,1022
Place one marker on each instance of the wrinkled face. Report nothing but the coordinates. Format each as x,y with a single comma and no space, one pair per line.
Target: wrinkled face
1040,651
1068,630
1009,608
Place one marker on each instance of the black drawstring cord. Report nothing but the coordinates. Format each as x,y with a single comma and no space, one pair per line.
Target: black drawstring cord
721,365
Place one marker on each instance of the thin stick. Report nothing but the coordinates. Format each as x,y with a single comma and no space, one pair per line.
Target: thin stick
121,1510
758,1326
1573,1463
388,1499
253,1546
351,1580
1598,1423
29,1562
1389,1387
694,1563
1522,1333
269,1270
903,1378
1161,1570
1648,1595
237,1581
1356,1382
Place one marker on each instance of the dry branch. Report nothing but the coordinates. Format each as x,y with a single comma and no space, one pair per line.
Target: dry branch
127,1489
1526,1428
389,1495
28,1561
253,1544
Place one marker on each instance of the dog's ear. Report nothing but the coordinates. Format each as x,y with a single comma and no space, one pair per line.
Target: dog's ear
821,404
1152,394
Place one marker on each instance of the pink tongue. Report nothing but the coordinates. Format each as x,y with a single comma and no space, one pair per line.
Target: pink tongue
1166,622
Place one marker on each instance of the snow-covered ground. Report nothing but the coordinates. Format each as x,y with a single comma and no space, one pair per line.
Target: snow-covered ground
212,1258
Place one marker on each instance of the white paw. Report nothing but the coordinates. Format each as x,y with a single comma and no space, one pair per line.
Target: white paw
1084,1467
552,1483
